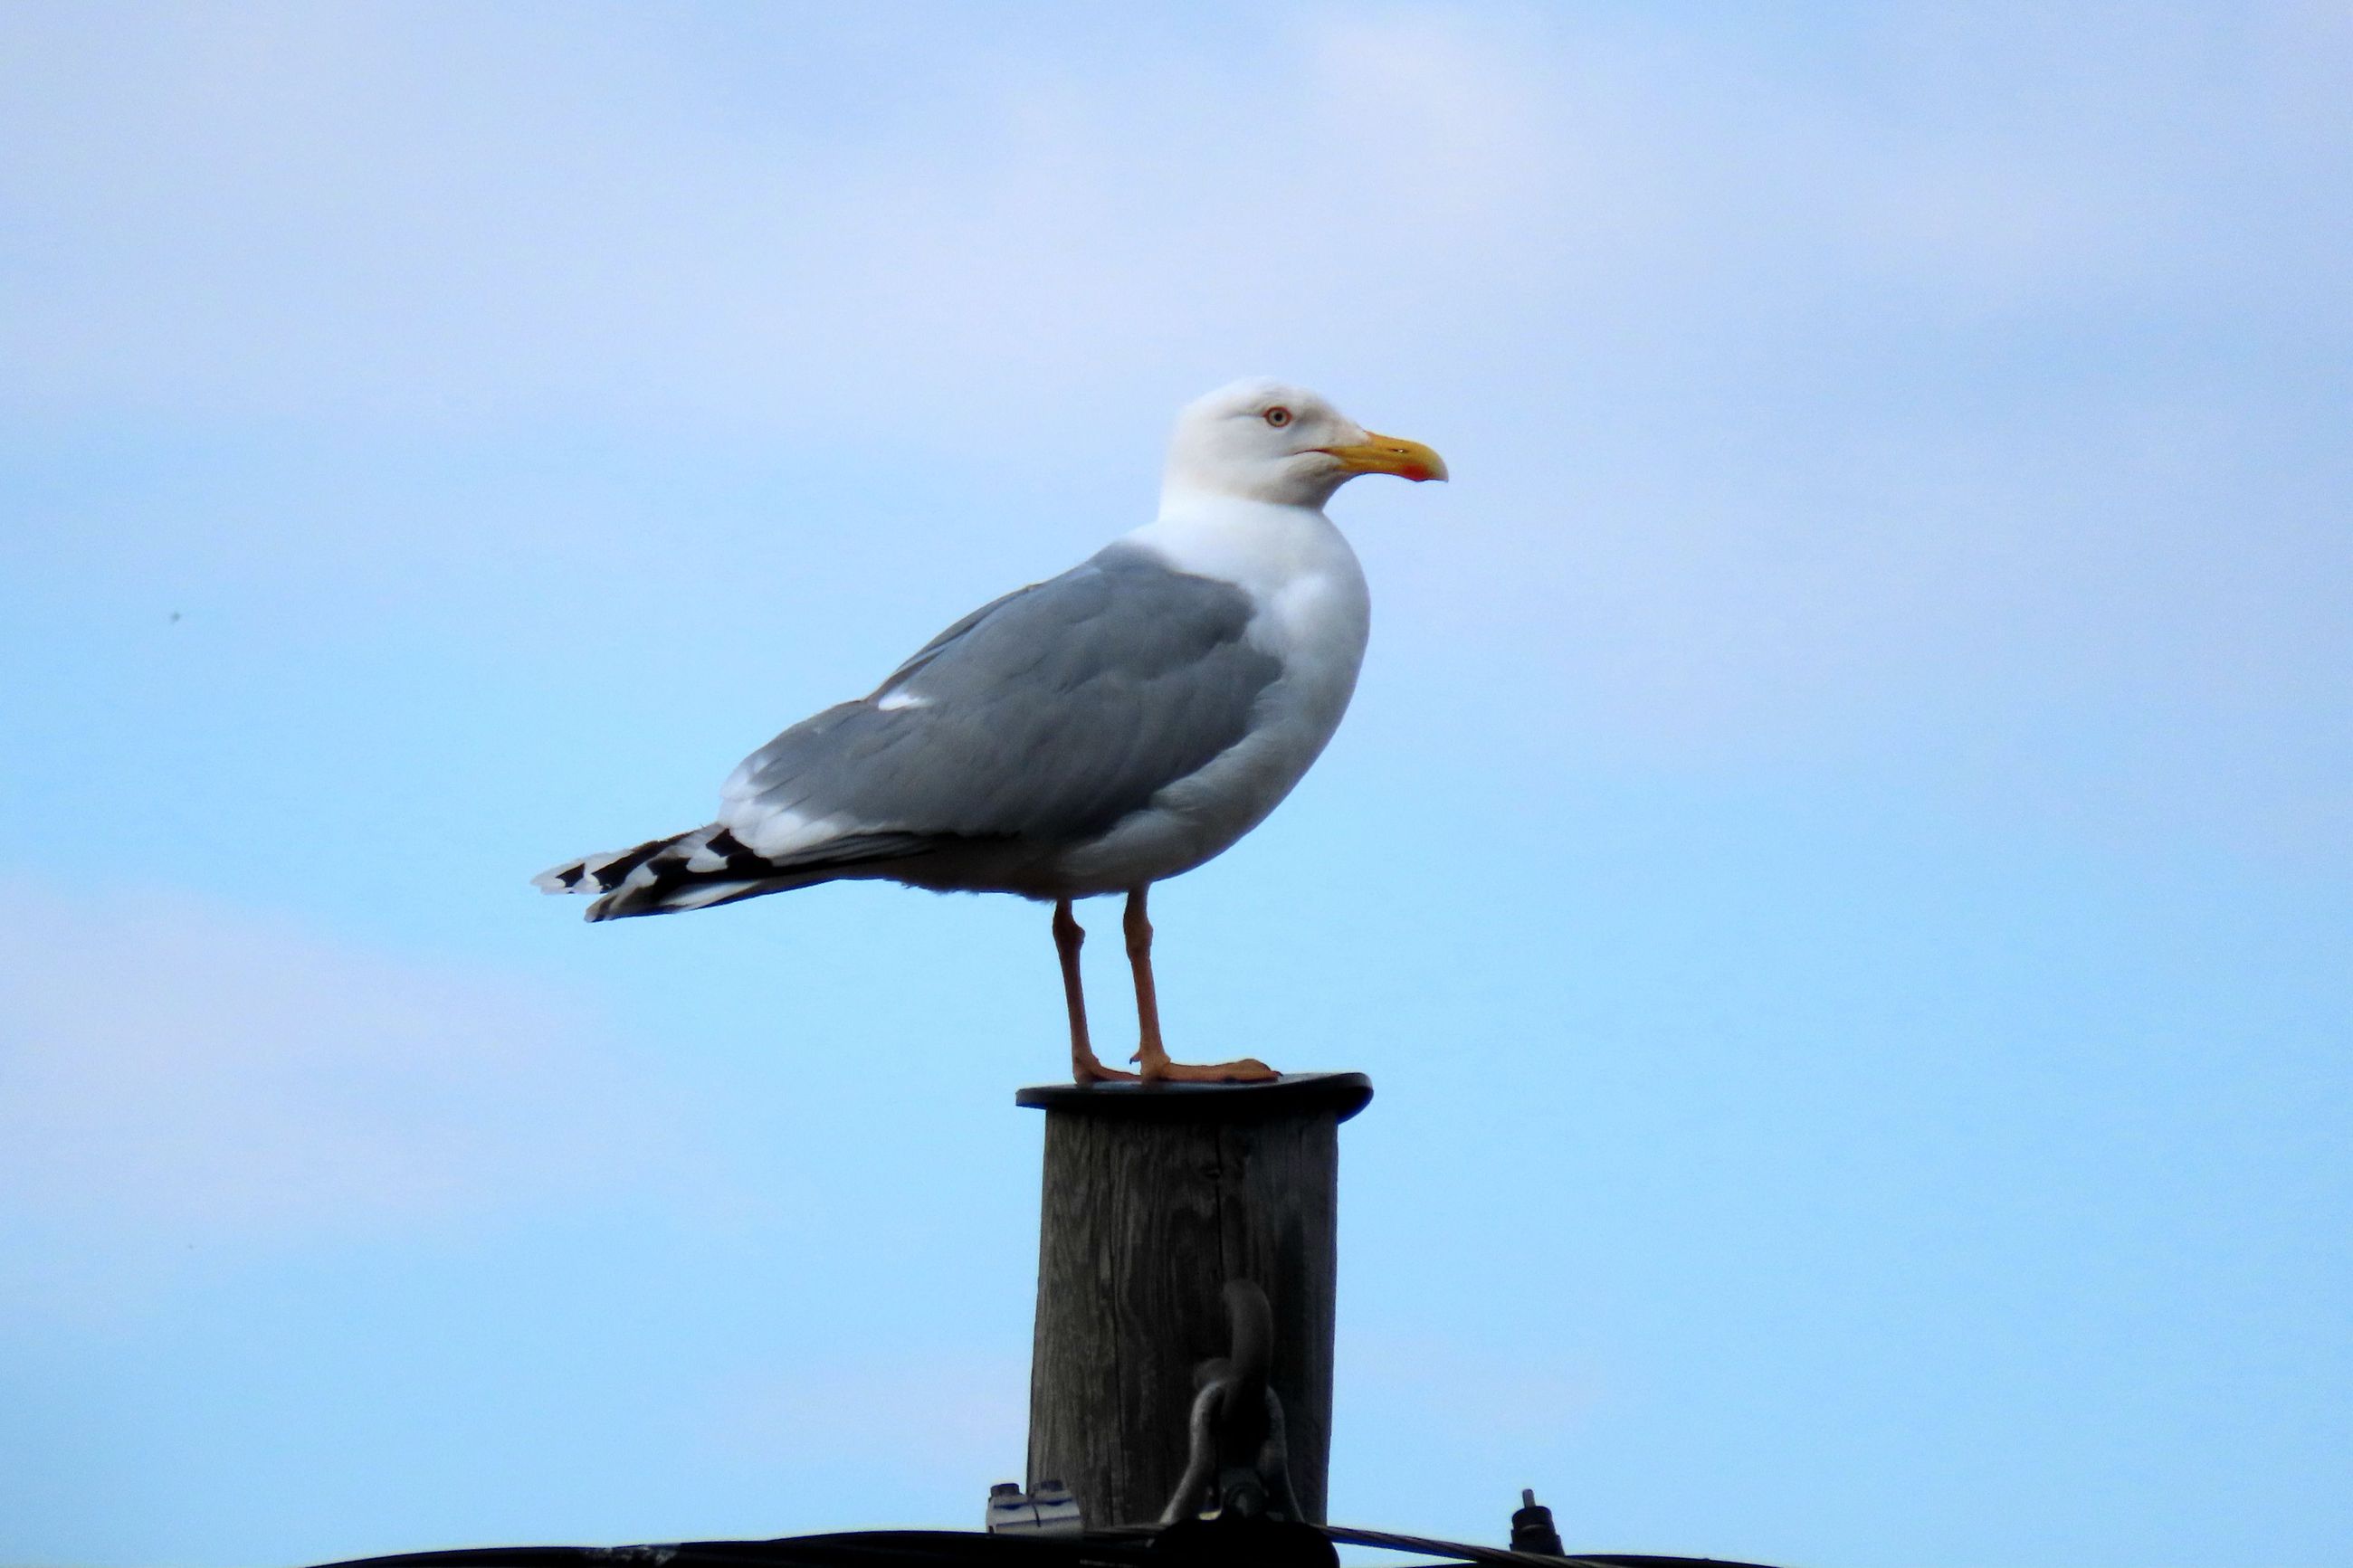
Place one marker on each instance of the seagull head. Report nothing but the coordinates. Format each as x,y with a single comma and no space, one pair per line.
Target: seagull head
1268,441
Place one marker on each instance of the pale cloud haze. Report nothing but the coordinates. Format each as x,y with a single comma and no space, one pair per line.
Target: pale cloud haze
554,213
186,1072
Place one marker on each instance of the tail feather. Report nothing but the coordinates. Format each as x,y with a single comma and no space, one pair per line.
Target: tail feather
601,873
710,866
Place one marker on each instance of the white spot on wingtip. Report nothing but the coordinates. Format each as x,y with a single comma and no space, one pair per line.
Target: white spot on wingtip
891,702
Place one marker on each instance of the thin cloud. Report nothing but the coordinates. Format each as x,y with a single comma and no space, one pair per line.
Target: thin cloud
362,220
172,1067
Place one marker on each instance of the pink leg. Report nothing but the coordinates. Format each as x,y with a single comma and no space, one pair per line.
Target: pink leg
1085,1068
1158,1067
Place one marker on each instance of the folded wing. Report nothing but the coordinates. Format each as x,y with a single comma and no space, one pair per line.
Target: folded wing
1048,715
1039,719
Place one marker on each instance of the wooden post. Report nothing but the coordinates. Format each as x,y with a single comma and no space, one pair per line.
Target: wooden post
1155,1197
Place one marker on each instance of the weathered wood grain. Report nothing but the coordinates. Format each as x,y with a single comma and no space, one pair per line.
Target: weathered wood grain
1142,1221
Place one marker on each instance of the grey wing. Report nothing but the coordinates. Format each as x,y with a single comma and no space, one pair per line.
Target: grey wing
1048,715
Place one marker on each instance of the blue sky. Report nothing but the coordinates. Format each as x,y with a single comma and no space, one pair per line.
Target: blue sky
1839,866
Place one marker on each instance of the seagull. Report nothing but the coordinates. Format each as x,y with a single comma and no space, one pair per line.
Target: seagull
1094,734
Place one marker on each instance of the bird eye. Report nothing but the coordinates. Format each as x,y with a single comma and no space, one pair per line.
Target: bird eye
1278,416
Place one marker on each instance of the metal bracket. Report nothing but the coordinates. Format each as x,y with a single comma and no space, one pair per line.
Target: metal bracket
1049,1511
1239,1464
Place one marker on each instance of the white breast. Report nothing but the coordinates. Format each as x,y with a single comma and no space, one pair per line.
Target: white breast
1314,615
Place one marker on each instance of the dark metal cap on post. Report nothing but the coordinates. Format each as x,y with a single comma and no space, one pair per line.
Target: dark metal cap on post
1293,1094
1155,1198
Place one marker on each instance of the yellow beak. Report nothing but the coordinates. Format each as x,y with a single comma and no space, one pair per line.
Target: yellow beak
1389,455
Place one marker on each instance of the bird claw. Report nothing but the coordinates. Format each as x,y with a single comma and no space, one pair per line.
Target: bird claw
1090,1071
1247,1069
